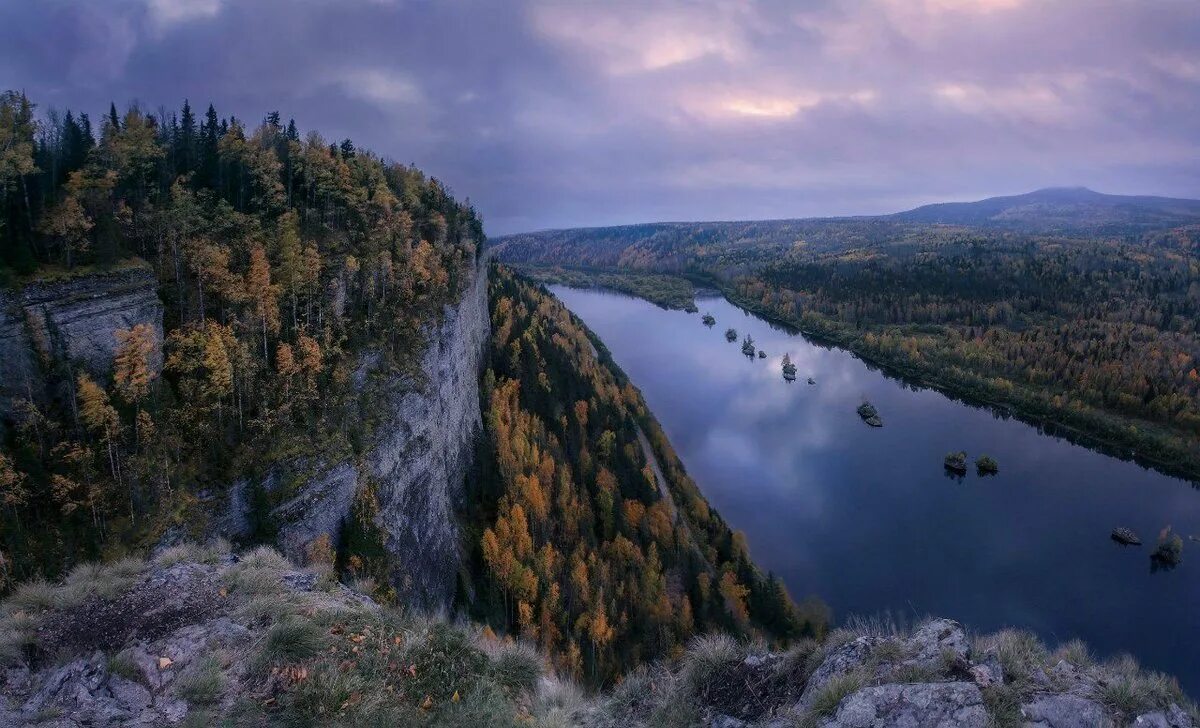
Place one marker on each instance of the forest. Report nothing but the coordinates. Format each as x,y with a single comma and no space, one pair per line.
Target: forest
1097,333
666,291
596,544
278,256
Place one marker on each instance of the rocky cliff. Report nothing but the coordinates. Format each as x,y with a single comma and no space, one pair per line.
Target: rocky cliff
202,636
72,320
420,450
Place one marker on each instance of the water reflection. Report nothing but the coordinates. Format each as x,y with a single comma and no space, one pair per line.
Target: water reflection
870,519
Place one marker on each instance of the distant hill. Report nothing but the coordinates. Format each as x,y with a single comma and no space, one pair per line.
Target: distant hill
1062,209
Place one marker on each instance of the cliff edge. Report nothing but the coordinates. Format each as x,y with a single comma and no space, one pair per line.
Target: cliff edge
204,636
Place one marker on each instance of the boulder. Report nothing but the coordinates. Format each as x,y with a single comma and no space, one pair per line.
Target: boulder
1173,717
1126,536
1064,711
841,661
918,705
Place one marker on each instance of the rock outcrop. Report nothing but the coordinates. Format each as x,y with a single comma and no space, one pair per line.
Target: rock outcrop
940,705
72,320
420,451
880,678
210,637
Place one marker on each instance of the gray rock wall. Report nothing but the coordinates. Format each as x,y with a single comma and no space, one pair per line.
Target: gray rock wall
420,462
418,459
72,320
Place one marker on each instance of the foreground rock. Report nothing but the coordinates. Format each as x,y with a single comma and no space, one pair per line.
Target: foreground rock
879,678
218,639
944,705
207,637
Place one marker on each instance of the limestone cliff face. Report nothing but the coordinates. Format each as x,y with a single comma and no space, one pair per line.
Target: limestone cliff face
420,451
74,321
420,460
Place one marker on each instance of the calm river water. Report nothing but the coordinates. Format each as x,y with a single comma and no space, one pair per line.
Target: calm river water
867,518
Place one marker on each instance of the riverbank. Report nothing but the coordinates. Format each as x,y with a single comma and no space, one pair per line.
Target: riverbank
1145,443
795,468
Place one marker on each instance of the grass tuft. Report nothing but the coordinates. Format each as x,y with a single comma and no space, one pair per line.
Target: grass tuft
202,682
37,595
291,640
1130,690
1075,652
557,703
517,668
706,656
1020,653
828,698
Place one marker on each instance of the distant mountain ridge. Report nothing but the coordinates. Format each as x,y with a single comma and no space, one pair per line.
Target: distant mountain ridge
1061,209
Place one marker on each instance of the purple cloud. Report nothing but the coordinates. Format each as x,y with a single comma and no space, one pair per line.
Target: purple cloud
562,114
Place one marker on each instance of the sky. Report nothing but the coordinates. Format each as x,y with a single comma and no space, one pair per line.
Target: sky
566,114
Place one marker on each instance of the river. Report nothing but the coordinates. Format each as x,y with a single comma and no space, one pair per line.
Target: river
869,520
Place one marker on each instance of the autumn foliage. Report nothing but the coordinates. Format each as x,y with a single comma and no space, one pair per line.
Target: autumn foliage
584,551
280,259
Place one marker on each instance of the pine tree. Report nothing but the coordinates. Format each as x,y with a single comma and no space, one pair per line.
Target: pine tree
186,160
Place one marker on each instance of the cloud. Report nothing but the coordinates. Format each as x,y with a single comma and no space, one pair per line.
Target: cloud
553,113
380,85
167,13
637,38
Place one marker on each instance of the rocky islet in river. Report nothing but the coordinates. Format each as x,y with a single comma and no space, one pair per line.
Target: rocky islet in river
869,414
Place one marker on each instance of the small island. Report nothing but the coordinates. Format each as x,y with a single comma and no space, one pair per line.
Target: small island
762,354
956,462
1126,536
748,347
986,465
731,334
1169,552
789,369
708,320
811,380
869,414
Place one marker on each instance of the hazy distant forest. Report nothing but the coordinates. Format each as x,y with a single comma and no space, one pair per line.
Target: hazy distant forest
278,257
1094,325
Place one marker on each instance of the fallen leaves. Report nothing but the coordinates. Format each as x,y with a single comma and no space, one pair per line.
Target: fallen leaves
165,662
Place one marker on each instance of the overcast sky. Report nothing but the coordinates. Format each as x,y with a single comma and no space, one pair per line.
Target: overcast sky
562,114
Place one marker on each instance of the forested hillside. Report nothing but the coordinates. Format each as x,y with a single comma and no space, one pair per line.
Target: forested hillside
596,544
1096,332
278,257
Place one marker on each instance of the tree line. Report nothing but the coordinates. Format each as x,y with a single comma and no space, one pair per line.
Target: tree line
279,259
581,548
1098,332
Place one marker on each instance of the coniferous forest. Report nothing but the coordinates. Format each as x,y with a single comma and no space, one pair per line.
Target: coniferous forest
1091,326
278,257
597,545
